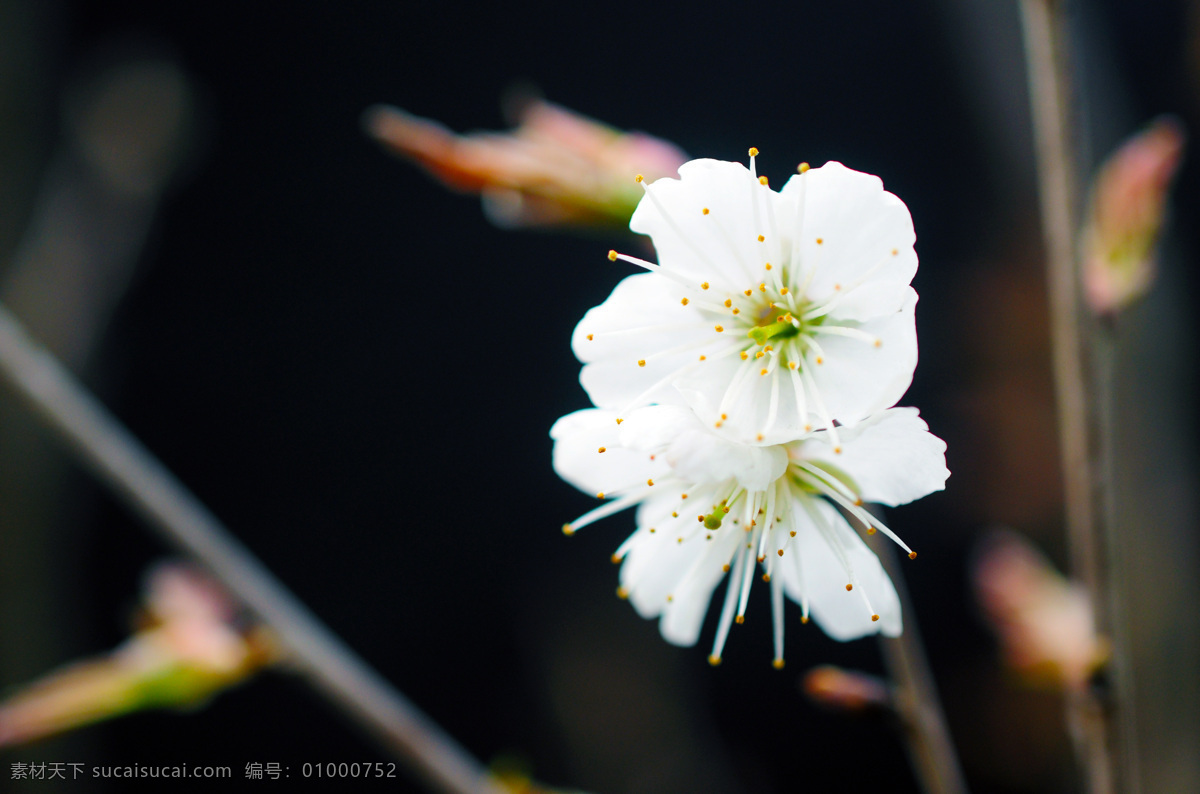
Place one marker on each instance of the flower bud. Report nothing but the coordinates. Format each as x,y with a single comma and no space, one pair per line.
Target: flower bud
1126,212
188,650
557,168
1043,621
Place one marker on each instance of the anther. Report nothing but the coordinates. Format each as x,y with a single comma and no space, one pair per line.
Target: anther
780,552
684,301
725,567
602,449
836,450
622,593
759,354
728,303
745,355
616,558
719,328
766,577
650,482
700,519
819,241
736,310
674,514
740,619
912,555
714,660
820,360
874,618
878,343
783,290
590,337
761,558
705,210
638,178
600,495
619,421
683,496
612,256
754,151
768,266
642,362
895,252
849,587
724,416
703,285
802,168
777,664
749,292
792,365
762,180
764,372
568,530
759,437
804,618
792,533
870,530
704,358
762,287
761,238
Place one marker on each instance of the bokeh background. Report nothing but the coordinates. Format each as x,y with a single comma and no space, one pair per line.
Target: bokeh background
357,372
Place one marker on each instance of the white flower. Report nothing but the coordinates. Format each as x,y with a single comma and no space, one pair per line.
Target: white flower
708,506
771,313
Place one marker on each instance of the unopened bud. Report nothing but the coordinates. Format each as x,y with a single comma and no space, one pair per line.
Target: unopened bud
1126,212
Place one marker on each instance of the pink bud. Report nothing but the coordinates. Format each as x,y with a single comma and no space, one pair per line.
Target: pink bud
557,168
1126,212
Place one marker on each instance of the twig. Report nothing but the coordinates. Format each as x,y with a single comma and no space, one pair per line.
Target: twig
136,476
927,738
1104,753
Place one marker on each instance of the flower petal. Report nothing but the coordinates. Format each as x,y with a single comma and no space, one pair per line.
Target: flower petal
857,379
640,319
810,562
703,457
852,232
672,579
705,225
892,457
578,438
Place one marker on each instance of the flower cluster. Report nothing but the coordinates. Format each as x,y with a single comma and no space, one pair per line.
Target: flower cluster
743,390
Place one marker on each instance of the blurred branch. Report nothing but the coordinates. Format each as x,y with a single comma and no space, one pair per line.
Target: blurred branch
926,736
1105,754
132,472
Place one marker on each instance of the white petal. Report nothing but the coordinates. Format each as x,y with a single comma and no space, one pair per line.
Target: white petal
810,559
721,246
865,233
670,579
652,428
642,317
578,438
858,379
702,456
892,457
748,415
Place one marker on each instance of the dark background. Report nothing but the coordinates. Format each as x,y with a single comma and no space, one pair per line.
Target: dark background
357,372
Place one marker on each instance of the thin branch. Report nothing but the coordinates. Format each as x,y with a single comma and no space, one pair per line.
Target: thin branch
927,738
1105,754
137,477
